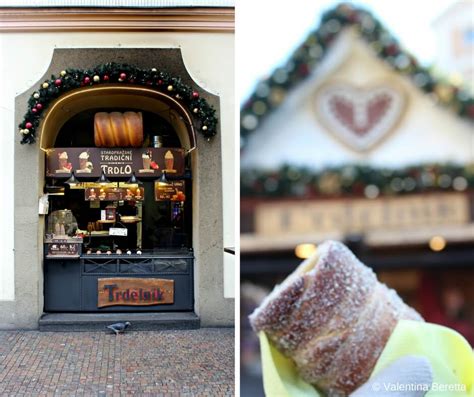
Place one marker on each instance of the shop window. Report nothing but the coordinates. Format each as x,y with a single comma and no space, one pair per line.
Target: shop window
147,223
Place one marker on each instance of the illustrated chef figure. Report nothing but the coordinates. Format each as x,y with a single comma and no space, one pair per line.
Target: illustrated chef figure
64,165
85,166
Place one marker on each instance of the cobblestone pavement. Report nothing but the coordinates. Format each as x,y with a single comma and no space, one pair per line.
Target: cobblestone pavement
153,363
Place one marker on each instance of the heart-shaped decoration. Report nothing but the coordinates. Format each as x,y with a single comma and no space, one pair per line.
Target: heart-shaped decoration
361,117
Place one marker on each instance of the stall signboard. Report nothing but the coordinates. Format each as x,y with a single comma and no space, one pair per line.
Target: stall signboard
114,194
62,248
361,215
172,191
123,291
90,162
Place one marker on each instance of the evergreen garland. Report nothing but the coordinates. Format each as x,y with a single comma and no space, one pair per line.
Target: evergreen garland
271,91
70,79
355,181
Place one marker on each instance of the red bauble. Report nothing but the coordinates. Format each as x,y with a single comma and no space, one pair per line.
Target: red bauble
160,82
106,77
39,106
470,111
87,80
303,69
195,94
28,125
392,49
353,17
58,82
123,76
132,81
34,110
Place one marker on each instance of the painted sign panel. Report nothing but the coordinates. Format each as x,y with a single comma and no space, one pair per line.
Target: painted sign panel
90,162
359,215
173,191
58,248
125,291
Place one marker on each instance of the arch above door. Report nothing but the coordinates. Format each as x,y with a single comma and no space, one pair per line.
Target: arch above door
112,96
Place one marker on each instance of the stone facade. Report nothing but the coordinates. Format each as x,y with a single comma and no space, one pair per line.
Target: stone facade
210,304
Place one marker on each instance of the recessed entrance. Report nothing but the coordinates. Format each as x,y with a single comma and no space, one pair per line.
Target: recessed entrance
120,245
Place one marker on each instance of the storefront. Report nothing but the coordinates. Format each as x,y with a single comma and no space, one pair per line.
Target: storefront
125,159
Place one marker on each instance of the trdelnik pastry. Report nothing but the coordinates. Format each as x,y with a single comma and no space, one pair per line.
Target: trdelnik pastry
332,318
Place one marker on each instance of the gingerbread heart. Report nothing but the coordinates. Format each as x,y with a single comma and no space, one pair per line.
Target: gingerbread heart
360,117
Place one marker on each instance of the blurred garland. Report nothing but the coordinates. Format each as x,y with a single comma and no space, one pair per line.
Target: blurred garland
270,92
355,180
70,79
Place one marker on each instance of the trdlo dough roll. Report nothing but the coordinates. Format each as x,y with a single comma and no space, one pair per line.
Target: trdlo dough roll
332,318
117,129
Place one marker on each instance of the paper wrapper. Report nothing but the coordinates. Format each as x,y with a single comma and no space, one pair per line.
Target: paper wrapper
450,356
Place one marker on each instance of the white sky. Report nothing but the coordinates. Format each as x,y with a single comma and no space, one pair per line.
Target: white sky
268,31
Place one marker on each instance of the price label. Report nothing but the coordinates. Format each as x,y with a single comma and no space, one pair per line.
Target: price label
118,231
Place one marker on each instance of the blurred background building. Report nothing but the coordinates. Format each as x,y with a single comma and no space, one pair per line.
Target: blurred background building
454,30
353,138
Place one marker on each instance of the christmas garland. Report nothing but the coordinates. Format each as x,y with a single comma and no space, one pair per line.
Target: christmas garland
355,180
270,92
71,79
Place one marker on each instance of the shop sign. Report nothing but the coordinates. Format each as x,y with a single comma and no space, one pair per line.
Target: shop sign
172,191
122,291
90,162
359,215
62,248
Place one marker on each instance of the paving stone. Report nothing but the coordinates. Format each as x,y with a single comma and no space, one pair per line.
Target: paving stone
149,363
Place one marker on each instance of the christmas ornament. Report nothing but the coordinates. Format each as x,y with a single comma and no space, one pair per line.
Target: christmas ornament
96,79
45,85
356,180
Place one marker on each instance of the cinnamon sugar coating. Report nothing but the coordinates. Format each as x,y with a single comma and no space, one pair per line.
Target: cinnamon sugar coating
332,319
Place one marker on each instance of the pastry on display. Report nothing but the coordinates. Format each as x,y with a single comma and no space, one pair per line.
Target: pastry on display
333,318
117,129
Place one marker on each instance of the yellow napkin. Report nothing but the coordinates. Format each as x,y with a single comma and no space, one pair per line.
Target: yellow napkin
450,356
